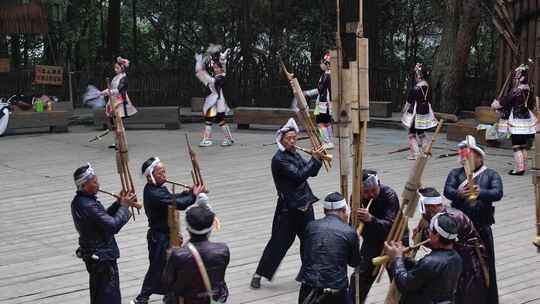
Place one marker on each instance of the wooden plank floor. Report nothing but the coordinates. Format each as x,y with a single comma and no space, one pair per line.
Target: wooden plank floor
37,262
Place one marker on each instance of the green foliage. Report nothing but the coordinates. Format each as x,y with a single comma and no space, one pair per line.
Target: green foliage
167,33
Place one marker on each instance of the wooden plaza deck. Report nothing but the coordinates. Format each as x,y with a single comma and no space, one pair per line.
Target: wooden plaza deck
38,239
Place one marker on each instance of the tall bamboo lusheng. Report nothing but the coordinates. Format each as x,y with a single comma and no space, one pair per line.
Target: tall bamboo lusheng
304,115
343,110
197,176
173,219
409,197
325,157
196,169
138,206
360,226
122,157
393,296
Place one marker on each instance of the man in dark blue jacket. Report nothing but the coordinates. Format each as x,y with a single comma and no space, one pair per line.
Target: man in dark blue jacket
157,200
182,274
488,188
96,227
330,245
293,211
434,278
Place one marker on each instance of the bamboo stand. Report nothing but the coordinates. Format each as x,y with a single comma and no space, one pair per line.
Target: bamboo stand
351,106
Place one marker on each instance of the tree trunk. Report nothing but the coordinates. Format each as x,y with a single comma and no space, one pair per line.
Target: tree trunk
15,51
134,29
460,21
113,30
4,52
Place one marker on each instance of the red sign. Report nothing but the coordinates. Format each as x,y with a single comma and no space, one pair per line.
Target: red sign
47,74
4,65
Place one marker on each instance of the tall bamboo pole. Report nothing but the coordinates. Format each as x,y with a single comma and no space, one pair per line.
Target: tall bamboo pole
536,165
351,108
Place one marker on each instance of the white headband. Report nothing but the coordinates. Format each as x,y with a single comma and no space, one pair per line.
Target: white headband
200,232
289,126
334,205
371,180
428,200
85,176
202,200
149,171
434,225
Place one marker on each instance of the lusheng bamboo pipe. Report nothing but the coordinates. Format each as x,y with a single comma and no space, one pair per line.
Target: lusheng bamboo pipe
303,113
325,157
361,225
383,259
178,184
468,166
137,205
184,185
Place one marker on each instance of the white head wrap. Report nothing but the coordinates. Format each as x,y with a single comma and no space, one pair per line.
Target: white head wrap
470,142
434,226
428,200
150,170
371,180
201,201
85,176
289,126
337,205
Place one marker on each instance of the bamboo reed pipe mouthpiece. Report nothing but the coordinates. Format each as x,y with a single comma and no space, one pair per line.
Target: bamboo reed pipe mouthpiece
325,157
178,184
186,186
384,259
380,260
136,205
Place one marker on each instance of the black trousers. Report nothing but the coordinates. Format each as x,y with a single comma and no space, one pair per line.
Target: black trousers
487,237
158,242
318,296
286,226
104,282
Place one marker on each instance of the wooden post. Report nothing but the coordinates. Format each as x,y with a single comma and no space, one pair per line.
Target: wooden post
70,86
536,165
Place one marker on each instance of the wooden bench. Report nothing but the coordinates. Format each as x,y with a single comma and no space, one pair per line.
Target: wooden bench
30,121
458,131
244,116
380,109
168,117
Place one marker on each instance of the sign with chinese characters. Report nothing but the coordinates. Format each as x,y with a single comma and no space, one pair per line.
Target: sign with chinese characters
48,74
4,65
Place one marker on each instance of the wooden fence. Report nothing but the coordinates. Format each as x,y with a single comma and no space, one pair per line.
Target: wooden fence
249,86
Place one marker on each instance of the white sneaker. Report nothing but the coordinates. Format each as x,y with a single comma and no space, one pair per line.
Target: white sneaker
226,143
205,143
